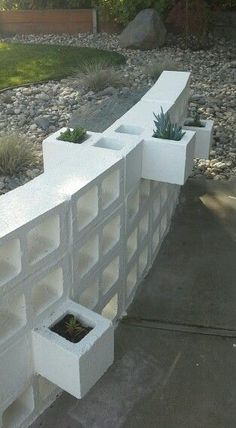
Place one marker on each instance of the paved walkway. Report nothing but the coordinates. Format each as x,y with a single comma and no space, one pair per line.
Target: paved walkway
175,363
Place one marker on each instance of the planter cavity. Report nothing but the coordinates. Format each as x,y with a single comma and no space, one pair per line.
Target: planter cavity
73,366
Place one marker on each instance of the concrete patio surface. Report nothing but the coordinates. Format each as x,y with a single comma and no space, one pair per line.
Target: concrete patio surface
175,364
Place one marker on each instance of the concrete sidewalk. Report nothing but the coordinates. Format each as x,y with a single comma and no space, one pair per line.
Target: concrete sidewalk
162,377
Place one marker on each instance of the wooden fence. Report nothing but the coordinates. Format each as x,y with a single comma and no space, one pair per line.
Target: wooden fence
48,21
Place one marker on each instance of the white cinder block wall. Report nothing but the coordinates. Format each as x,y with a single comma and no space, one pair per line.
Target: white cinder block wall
89,228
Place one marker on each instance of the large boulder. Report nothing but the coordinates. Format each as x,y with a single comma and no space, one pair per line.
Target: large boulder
146,31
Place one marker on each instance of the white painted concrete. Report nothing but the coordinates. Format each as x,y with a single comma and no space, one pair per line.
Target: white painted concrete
86,230
204,138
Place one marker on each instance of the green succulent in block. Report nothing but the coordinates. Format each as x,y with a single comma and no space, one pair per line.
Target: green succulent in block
73,327
77,135
165,129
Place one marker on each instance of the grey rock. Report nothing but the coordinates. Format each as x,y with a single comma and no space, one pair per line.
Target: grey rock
43,123
146,31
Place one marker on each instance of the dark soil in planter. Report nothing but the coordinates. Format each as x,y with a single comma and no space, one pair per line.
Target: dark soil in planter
71,328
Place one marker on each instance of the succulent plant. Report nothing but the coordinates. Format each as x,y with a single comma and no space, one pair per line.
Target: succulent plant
165,129
73,327
77,135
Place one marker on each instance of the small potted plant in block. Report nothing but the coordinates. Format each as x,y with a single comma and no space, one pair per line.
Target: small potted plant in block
204,132
76,135
73,347
66,142
168,154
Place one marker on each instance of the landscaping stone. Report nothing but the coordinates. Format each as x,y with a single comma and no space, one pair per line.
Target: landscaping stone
215,85
146,31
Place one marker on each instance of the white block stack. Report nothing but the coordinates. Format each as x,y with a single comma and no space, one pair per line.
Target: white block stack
87,230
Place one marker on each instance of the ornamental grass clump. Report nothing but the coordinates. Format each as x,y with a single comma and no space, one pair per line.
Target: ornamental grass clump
165,129
16,154
156,67
77,135
98,75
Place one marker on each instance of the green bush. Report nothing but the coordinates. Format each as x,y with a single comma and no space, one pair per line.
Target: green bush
157,66
123,11
98,75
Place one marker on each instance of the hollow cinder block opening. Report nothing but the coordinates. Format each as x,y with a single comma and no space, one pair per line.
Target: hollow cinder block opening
88,255
110,143
19,410
110,189
90,296
46,388
132,279
87,208
111,309
43,239
10,260
143,261
133,205
144,226
156,207
111,234
47,291
12,316
144,190
155,239
110,275
132,244
129,129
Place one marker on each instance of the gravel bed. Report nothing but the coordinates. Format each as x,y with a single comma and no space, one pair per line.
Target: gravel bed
40,109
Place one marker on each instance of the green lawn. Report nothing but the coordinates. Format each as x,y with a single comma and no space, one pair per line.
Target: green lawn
21,63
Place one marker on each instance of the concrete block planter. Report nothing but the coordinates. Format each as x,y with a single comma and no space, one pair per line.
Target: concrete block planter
168,161
74,367
203,138
56,151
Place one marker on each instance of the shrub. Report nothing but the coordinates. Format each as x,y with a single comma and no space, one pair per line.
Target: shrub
191,17
123,11
16,154
77,135
156,67
165,129
98,76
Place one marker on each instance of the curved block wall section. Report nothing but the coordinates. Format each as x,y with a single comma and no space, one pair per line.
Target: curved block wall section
88,229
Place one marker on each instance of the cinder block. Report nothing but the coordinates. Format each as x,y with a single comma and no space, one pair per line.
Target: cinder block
142,115
132,244
87,293
86,254
169,87
110,310
131,281
132,207
74,367
46,388
16,369
130,148
20,409
56,152
204,138
144,227
36,232
10,259
112,231
13,315
145,192
110,275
